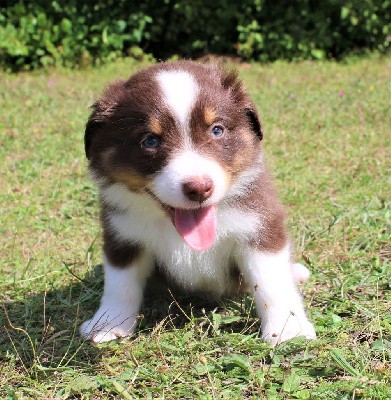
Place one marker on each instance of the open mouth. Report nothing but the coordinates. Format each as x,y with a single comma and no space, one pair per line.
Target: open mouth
196,226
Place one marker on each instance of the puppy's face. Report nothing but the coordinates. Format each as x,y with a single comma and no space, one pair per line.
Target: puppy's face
181,132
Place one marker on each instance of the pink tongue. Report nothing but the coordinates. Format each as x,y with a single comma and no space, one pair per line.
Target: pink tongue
197,227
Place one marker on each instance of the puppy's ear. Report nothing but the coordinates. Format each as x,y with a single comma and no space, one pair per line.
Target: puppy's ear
231,82
102,110
92,128
254,121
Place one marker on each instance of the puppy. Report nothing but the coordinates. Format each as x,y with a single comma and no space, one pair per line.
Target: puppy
176,156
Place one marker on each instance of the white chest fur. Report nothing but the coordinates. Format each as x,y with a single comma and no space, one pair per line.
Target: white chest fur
142,221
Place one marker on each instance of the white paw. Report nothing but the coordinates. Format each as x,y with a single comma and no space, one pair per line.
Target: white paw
108,325
278,331
300,273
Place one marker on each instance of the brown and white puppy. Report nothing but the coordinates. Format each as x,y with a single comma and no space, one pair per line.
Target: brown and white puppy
175,153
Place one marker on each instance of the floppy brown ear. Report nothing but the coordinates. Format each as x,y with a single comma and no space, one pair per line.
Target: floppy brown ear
91,129
101,112
230,80
254,122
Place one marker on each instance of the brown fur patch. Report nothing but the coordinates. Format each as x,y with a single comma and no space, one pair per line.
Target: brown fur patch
209,115
272,235
241,158
107,156
120,254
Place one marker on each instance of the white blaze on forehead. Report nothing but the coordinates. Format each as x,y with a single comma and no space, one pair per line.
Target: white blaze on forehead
180,92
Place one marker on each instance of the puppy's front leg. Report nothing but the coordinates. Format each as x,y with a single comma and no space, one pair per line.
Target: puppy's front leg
121,300
277,300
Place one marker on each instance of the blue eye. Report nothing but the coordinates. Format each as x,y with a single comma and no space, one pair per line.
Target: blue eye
217,131
151,142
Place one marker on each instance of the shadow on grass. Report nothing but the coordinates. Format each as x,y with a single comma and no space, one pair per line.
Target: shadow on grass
41,332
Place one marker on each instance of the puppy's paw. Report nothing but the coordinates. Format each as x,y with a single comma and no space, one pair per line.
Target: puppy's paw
300,273
108,325
278,331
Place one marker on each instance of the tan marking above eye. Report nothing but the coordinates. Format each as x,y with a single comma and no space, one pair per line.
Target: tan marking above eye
155,126
209,115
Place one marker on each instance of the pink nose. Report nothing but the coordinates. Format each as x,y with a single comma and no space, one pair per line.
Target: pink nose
198,188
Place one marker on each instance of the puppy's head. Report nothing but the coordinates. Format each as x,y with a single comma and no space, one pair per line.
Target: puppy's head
182,132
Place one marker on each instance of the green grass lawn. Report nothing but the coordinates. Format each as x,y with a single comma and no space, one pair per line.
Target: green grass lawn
327,139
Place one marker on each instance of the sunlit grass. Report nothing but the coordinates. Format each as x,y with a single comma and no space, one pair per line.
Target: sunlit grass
327,135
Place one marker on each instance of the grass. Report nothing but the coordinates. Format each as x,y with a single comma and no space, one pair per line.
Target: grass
327,129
